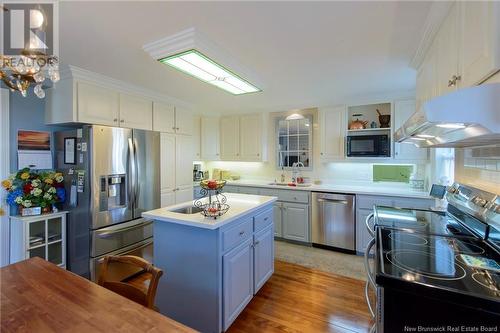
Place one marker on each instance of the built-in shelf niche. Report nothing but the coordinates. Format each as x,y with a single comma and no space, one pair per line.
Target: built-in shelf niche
369,113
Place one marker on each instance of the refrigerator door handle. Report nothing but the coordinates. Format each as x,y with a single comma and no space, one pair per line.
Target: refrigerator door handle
137,187
133,172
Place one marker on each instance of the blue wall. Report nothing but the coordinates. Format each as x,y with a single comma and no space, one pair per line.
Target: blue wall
26,113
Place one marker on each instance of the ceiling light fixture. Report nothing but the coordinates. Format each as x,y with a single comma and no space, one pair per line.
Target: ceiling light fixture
451,125
295,116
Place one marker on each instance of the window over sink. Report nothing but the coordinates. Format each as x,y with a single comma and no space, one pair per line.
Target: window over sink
294,141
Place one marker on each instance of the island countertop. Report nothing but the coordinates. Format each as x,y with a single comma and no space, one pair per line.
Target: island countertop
240,204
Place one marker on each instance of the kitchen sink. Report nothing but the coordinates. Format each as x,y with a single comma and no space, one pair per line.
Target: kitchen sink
187,210
278,184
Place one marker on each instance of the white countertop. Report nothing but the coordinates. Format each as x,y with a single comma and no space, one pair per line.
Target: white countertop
366,188
240,204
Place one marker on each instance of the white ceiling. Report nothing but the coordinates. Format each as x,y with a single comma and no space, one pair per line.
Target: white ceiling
306,54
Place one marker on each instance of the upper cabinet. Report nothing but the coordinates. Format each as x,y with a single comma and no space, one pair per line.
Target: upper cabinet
94,105
197,138
170,119
465,51
243,138
403,151
210,149
135,112
332,124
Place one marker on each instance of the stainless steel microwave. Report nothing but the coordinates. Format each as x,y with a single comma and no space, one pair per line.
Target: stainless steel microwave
368,146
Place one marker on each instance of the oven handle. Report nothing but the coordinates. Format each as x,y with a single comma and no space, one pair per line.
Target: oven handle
367,263
148,243
368,226
108,234
367,297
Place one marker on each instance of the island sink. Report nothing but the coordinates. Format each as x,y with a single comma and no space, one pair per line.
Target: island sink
187,210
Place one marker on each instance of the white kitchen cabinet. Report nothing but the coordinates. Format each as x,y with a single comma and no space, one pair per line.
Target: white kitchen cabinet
404,151
176,164
136,112
447,53
163,117
238,276
210,149
278,220
183,121
196,138
230,138
97,105
479,40
296,222
253,137
332,122
263,257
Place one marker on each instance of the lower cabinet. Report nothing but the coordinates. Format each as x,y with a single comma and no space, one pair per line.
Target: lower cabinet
278,219
362,234
263,257
238,278
296,222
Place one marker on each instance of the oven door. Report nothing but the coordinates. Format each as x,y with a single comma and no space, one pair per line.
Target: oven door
143,249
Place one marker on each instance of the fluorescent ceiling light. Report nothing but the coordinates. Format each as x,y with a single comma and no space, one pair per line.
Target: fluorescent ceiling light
451,126
196,64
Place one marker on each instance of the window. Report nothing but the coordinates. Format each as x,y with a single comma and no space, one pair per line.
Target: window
294,142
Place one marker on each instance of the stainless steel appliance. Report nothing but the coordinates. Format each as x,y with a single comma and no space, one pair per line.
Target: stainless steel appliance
333,220
116,177
368,145
436,269
465,118
197,172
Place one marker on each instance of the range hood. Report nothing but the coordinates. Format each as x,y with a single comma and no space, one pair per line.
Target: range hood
468,117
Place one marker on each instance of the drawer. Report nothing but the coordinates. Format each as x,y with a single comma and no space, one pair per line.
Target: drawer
270,192
230,189
237,234
294,196
263,220
413,203
368,201
249,190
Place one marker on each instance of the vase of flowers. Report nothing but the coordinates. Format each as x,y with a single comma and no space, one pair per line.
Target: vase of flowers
32,189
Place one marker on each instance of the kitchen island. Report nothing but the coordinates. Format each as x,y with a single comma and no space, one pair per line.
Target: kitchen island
213,267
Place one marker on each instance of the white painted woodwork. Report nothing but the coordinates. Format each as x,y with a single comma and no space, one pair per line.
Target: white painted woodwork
196,138
183,161
210,149
253,137
167,198
230,138
183,194
332,132
183,121
163,117
97,105
167,162
447,53
404,151
136,112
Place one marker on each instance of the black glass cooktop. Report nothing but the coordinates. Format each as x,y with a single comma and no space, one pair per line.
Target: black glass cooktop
461,264
421,221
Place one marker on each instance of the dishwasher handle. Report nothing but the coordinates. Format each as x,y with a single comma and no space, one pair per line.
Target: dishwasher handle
340,202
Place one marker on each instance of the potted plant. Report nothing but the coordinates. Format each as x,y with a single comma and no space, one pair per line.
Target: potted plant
29,189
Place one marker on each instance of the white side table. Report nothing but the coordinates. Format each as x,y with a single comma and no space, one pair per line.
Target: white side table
41,236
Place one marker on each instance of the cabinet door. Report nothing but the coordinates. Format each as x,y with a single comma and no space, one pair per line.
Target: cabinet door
332,133
251,138
183,121
263,258
402,111
196,138
296,222
277,219
183,161
210,138
237,281
230,138
479,44
447,53
183,194
163,117
136,112
167,162
167,198
97,105
362,234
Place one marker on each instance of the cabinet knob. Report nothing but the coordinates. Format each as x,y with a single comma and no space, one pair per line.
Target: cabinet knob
115,120
173,127
258,154
321,153
256,242
242,233
177,128
122,121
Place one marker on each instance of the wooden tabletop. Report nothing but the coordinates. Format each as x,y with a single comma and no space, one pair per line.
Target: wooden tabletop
37,296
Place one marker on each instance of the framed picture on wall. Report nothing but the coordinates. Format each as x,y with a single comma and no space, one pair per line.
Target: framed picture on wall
69,150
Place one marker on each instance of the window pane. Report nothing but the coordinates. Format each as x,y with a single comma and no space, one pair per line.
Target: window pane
293,157
303,142
304,158
293,126
293,142
283,143
283,127
304,126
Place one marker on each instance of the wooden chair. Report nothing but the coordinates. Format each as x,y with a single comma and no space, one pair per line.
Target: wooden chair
128,290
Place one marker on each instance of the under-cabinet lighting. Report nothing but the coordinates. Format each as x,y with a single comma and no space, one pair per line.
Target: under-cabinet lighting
418,139
201,67
426,136
451,125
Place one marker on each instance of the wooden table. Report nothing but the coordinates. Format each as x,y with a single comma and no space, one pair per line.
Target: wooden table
37,296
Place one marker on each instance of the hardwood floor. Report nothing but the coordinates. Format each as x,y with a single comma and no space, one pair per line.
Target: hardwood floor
299,299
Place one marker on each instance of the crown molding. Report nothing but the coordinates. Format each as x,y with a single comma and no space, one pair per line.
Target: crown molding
437,13
69,72
192,38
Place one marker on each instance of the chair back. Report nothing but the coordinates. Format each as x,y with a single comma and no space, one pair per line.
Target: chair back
134,293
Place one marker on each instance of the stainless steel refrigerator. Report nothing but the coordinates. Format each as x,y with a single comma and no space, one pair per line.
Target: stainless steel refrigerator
112,175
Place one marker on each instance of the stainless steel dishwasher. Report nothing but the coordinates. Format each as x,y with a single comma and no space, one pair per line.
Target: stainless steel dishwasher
333,220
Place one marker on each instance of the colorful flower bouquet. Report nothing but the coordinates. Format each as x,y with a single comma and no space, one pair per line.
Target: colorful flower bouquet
28,188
